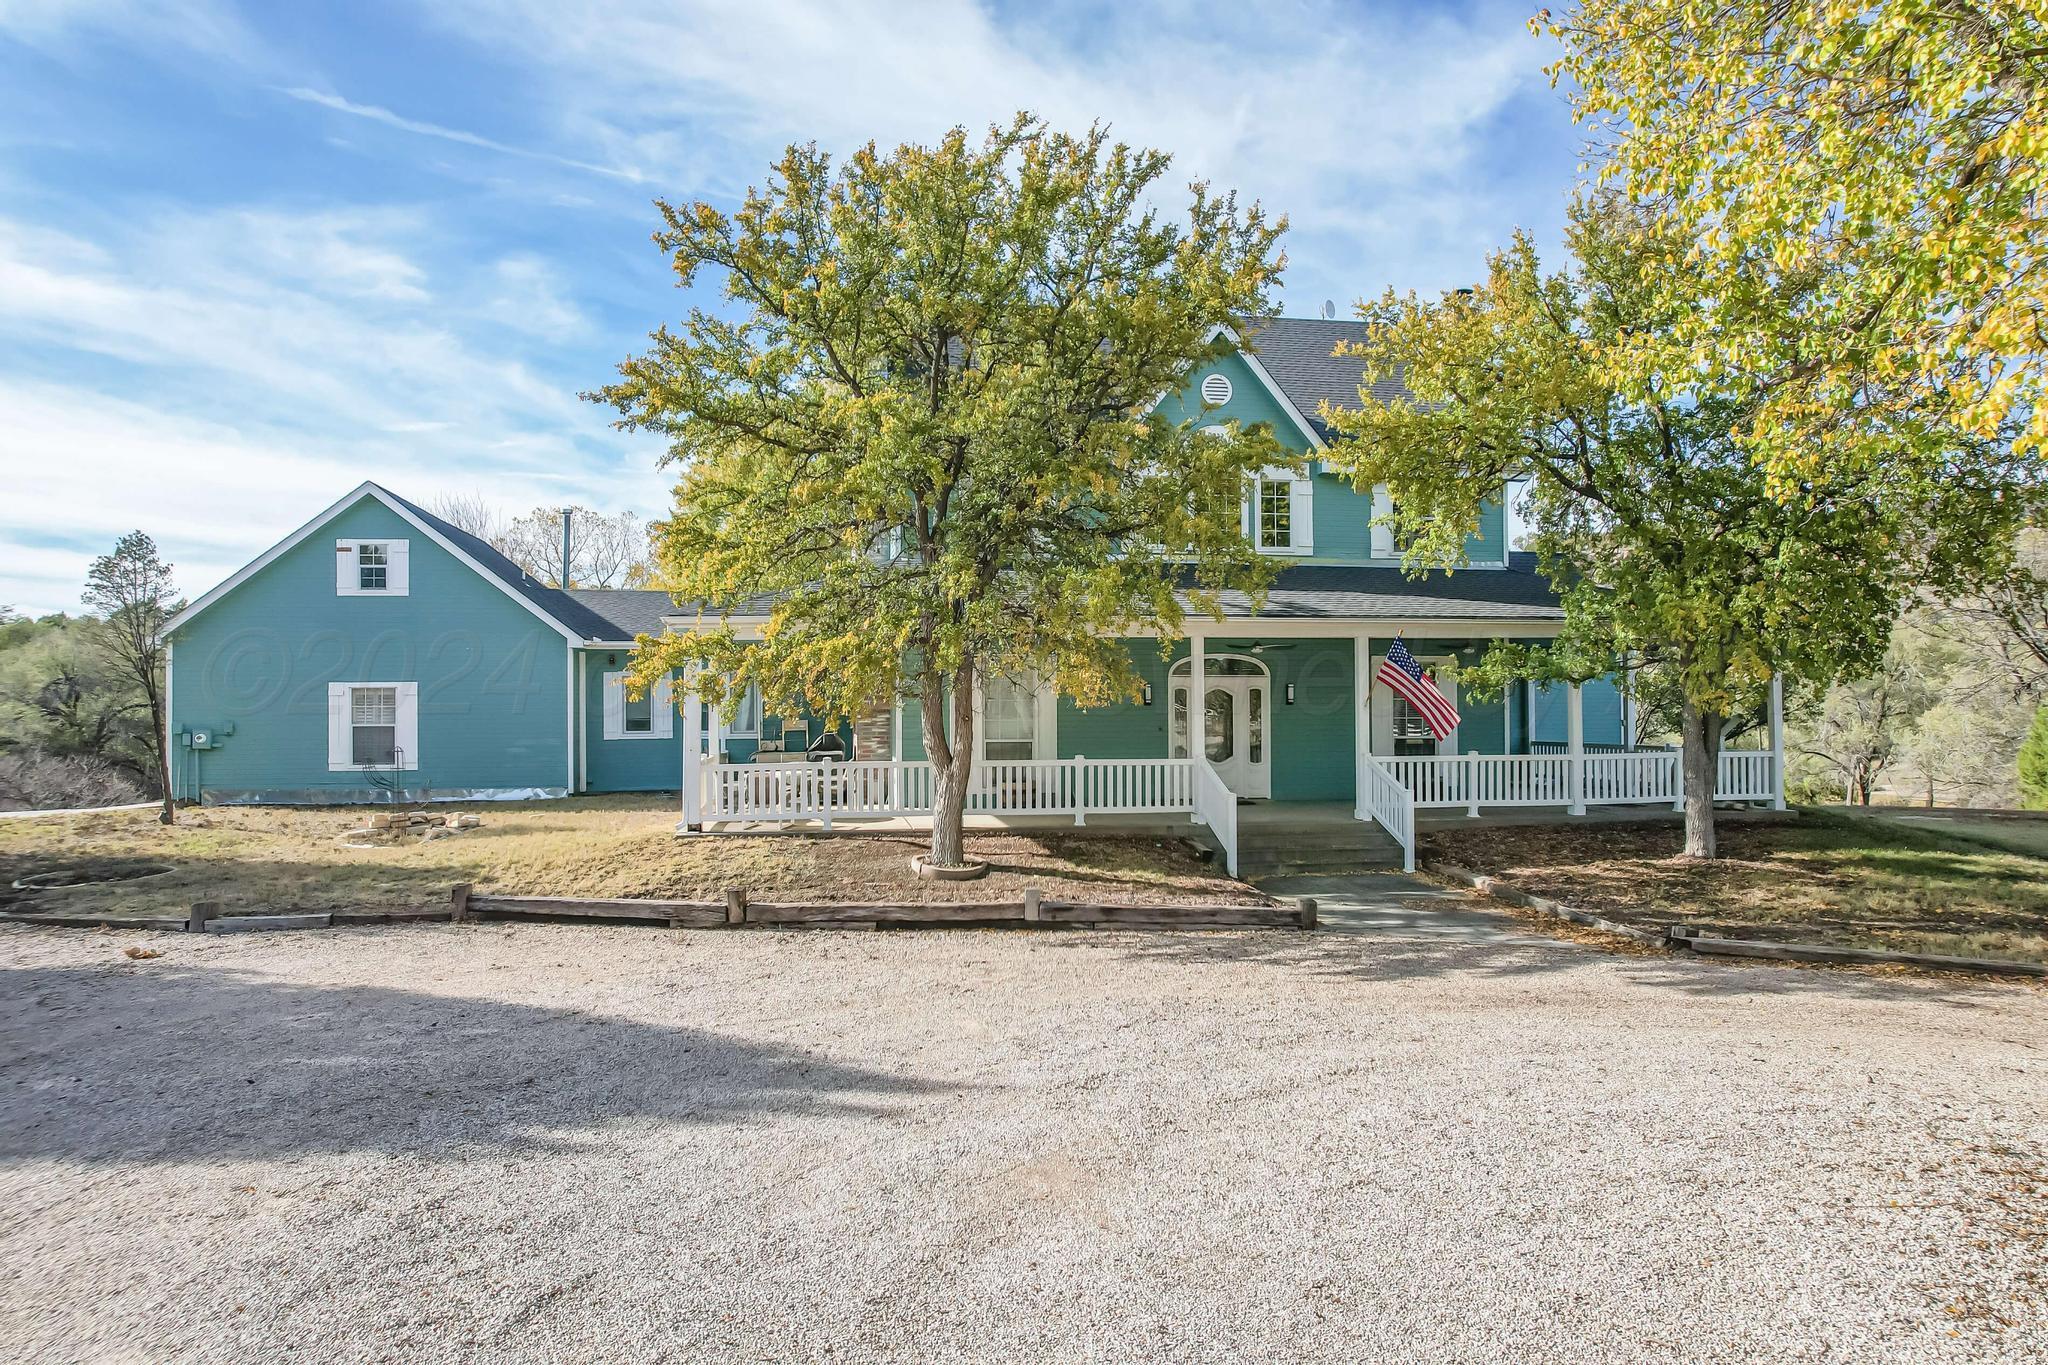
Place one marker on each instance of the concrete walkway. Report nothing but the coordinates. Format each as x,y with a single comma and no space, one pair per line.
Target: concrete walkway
1397,905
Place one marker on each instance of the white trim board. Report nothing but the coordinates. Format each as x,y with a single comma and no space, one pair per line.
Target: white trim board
365,489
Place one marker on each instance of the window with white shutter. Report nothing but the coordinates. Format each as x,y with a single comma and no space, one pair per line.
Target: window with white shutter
1282,513
372,568
651,716
373,726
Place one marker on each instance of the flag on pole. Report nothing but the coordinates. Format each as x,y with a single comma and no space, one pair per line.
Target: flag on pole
1405,679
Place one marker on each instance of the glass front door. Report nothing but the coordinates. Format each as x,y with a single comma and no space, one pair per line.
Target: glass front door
1233,732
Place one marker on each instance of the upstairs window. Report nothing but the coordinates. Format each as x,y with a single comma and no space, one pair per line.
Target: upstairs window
1280,515
1276,515
372,568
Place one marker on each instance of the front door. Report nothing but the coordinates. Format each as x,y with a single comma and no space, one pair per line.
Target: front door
1234,726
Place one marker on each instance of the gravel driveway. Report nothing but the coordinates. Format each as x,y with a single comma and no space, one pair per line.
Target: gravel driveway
548,1143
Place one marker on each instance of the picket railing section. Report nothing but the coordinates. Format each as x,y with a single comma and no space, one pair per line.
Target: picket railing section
1650,777
1216,807
778,793
1747,775
1383,797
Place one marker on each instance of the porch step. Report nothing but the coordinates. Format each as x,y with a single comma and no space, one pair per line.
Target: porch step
1268,851
1252,863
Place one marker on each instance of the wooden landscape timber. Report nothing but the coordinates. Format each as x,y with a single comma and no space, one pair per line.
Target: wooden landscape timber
737,910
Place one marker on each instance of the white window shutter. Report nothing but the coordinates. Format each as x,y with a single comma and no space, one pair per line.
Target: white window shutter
1382,533
663,710
409,724
615,706
1301,500
345,580
398,560
340,752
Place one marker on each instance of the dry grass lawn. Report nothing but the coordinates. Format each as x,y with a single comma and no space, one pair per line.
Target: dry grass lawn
1818,879
256,858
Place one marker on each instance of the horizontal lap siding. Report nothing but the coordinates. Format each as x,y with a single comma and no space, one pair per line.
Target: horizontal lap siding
624,765
1599,703
492,676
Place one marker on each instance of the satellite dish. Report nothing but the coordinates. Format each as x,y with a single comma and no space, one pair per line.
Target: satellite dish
1329,310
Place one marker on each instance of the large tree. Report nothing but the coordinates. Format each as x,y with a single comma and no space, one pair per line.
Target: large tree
132,591
923,427
1670,545
1894,152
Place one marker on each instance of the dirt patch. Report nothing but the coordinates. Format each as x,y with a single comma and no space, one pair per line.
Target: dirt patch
1817,880
295,859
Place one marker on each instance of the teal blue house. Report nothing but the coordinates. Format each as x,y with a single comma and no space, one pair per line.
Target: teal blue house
379,650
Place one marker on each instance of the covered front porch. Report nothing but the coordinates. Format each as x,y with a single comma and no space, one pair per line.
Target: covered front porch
1233,731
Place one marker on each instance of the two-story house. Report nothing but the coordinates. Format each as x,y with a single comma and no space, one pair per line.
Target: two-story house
379,650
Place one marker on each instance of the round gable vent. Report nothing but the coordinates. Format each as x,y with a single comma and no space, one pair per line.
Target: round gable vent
1216,390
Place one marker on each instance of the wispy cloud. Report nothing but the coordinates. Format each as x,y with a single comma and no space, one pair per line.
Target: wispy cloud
1364,123
378,114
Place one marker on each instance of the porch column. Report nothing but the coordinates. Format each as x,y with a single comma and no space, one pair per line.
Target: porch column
714,748
1361,690
693,759
1575,733
1198,697
1777,741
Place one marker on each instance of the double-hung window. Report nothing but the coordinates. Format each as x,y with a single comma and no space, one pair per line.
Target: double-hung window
1011,723
1276,515
373,726
1281,517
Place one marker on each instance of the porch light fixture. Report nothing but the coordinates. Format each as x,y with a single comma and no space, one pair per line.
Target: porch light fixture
1290,694
1148,694
611,661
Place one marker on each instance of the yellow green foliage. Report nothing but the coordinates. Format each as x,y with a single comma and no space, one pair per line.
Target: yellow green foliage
923,424
1886,156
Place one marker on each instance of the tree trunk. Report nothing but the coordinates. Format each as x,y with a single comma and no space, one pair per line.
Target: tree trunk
160,742
952,761
1701,762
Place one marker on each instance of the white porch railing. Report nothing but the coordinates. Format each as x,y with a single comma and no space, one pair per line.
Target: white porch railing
1608,779
1216,807
777,793
1382,796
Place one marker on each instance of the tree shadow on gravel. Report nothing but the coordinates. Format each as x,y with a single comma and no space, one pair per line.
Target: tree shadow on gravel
1373,957
178,1064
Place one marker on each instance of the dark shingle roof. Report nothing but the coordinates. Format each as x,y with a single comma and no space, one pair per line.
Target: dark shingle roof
1297,353
560,605
1517,592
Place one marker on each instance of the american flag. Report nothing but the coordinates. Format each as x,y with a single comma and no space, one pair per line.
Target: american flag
1404,678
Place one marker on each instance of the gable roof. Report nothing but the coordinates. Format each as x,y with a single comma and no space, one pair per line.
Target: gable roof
558,606
549,604
1296,355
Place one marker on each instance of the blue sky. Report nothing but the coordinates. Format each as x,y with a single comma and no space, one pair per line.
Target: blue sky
251,255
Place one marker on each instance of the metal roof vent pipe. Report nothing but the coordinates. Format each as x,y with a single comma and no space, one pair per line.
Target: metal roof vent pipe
568,515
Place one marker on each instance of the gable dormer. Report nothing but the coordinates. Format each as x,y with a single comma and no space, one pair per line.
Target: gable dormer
1280,377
